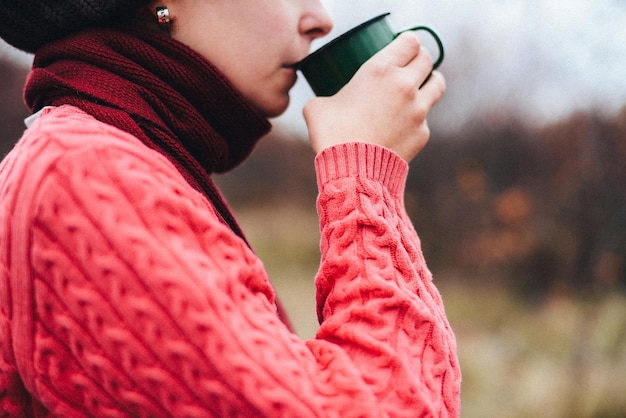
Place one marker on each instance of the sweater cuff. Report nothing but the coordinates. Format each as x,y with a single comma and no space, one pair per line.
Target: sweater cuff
362,160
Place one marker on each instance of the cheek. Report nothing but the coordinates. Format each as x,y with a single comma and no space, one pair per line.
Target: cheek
260,73
255,68
248,77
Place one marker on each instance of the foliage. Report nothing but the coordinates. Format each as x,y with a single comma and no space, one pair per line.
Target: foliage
541,209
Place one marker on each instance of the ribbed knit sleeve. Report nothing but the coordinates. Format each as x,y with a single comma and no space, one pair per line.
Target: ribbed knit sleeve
124,295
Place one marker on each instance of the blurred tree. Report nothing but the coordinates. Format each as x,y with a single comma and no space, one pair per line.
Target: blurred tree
12,108
537,209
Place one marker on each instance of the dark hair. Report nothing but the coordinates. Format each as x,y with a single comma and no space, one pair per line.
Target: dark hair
30,24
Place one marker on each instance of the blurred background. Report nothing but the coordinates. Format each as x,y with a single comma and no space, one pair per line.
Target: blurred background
519,198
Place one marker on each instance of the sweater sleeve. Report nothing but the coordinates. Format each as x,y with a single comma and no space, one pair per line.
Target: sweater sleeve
130,297
375,296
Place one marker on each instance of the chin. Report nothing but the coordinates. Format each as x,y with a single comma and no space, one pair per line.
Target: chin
276,107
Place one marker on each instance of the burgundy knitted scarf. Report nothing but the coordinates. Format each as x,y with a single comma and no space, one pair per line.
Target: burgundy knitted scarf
158,90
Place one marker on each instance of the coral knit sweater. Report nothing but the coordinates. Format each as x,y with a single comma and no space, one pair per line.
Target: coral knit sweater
122,293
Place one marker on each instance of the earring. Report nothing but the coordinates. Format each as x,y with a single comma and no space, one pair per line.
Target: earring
163,15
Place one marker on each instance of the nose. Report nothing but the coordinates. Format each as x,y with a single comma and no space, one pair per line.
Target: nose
315,21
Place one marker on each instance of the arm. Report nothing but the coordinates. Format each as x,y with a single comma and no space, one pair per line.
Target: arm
376,298
371,251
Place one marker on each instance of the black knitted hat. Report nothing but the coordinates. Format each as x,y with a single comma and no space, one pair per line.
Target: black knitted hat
30,24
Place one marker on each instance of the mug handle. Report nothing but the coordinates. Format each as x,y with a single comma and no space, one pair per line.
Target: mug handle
437,40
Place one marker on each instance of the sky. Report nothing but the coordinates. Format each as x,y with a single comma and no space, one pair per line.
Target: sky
537,59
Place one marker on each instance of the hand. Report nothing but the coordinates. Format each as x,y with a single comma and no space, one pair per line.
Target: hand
383,104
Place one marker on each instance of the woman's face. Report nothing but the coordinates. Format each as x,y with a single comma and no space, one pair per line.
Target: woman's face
253,42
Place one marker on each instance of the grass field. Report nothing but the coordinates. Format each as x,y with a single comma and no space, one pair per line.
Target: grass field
565,357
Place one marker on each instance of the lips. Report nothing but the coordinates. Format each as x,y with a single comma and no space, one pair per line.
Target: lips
293,66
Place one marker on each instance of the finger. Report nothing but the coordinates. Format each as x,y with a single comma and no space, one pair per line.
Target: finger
402,50
421,67
433,88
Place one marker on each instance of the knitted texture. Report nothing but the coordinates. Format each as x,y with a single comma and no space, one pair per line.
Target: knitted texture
160,91
30,24
122,294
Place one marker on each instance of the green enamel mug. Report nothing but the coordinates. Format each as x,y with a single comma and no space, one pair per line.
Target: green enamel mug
329,68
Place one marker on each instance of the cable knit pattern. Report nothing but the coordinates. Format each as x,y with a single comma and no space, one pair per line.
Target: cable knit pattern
122,293
375,294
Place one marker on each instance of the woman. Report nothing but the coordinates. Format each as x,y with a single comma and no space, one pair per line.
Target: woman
127,288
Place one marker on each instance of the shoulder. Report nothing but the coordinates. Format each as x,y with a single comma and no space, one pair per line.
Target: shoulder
80,179
67,137
68,152
70,130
